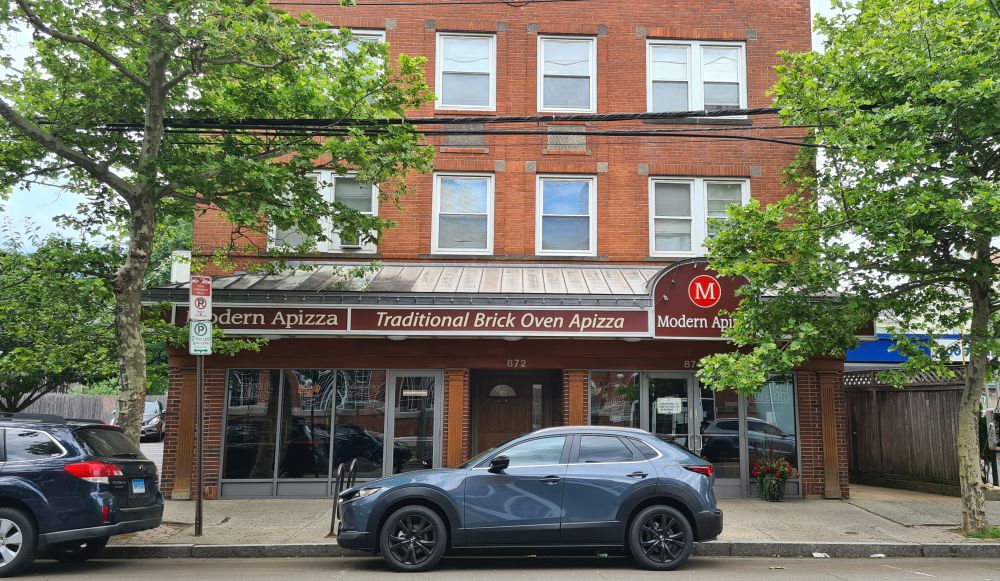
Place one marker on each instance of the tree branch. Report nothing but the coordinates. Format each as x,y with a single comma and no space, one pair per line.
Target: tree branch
65,151
75,39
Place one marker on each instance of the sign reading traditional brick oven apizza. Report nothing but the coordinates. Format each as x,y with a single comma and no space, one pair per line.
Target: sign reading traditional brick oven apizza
501,321
688,298
428,321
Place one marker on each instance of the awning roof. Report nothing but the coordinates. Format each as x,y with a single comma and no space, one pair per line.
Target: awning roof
433,284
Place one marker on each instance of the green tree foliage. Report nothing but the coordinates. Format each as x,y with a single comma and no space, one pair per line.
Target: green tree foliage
55,321
901,217
99,61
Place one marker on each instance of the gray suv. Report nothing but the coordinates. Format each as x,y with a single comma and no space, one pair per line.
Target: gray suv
557,489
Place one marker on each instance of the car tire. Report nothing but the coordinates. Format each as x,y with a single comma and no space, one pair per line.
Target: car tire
16,525
413,539
660,538
78,551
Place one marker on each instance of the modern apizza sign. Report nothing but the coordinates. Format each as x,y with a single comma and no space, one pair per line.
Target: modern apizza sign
691,301
687,298
256,320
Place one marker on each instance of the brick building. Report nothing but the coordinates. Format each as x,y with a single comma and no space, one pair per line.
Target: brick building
532,280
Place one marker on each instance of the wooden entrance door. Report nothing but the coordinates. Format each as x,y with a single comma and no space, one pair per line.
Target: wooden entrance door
508,405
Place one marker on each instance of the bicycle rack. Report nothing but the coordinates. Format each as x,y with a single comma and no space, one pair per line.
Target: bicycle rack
346,478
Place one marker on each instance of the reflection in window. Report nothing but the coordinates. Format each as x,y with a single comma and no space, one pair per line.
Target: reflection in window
566,207
360,420
603,449
251,423
771,421
413,430
305,423
614,398
539,452
25,445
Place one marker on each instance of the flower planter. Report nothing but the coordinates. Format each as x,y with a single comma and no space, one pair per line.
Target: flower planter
771,489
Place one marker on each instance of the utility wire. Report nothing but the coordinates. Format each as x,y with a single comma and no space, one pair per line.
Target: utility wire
326,123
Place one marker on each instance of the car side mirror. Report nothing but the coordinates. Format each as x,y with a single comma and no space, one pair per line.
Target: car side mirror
499,464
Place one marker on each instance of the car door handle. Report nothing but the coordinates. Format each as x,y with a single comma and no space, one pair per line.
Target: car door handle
637,475
550,480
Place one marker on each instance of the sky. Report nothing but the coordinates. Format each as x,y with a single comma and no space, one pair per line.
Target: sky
41,204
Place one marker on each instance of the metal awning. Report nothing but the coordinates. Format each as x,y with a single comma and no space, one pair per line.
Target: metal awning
411,283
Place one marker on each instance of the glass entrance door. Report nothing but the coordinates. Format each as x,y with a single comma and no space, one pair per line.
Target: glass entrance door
415,424
670,415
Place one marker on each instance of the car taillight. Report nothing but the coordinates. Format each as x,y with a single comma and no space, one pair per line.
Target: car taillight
701,469
98,472
105,512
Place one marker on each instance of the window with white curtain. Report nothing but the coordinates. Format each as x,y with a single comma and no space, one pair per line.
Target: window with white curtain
690,76
466,71
682,210
567,74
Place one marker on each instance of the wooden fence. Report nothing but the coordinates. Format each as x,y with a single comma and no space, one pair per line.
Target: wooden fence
95,407
904,438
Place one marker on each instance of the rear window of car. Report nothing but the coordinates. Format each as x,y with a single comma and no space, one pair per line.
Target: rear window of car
105,443
27,445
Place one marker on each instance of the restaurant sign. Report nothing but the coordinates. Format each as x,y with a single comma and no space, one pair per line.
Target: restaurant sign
427,321
692,301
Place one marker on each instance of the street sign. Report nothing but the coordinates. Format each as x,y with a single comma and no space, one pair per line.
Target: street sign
200,299
200,338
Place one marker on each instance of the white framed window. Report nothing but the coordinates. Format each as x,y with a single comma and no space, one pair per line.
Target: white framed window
465,72
690,76
567,73
348,191
566,215
463,213
364,36
680,210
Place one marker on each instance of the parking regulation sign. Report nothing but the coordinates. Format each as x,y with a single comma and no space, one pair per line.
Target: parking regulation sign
200,338
200,299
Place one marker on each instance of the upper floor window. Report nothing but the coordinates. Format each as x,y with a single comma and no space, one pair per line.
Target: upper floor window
566,221
466,71
463,214
567,74
689,76
349,192
364,36
681,212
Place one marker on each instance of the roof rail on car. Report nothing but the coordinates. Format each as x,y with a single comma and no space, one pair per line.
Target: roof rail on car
23,417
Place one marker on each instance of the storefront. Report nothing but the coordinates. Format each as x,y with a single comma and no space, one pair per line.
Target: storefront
445,361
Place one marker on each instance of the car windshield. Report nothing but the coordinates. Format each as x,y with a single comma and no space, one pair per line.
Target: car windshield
151,408
482,455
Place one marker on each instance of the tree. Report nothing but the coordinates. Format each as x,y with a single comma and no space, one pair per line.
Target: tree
55,321
94,62
900,219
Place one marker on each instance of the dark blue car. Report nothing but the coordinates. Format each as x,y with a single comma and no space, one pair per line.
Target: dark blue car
589,488
66,486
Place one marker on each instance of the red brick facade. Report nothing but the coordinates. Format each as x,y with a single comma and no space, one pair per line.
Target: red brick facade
622,167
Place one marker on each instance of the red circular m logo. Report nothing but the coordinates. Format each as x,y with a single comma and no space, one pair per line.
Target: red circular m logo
704,291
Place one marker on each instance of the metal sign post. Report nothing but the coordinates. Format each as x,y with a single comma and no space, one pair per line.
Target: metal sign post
200,345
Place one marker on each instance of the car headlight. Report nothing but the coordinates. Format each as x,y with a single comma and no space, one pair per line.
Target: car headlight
359,494
153,421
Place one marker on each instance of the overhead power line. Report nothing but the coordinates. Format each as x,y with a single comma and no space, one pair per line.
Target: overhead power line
463,120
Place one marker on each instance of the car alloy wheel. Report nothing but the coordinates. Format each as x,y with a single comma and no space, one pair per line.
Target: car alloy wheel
17,541
661,538
413,539
10,541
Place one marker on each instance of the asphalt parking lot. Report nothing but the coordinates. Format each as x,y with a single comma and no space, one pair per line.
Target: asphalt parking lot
153,451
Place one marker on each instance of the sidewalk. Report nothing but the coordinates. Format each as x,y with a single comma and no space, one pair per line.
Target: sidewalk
874,520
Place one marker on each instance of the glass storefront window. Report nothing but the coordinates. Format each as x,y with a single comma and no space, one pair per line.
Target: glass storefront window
251,423
721,432
360,421
413,429
305,423
614,398
771,421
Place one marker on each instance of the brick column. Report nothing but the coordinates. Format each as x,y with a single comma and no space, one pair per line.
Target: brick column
574,397
810,433
455,435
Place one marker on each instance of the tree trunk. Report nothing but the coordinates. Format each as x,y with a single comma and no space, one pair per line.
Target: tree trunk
127,285
969,473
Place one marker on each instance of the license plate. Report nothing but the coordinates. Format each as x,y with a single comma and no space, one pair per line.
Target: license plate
138,486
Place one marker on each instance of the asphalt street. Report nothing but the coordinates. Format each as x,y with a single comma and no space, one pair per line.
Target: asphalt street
546,569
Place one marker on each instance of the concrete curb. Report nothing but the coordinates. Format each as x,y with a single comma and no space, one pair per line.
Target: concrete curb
710,549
